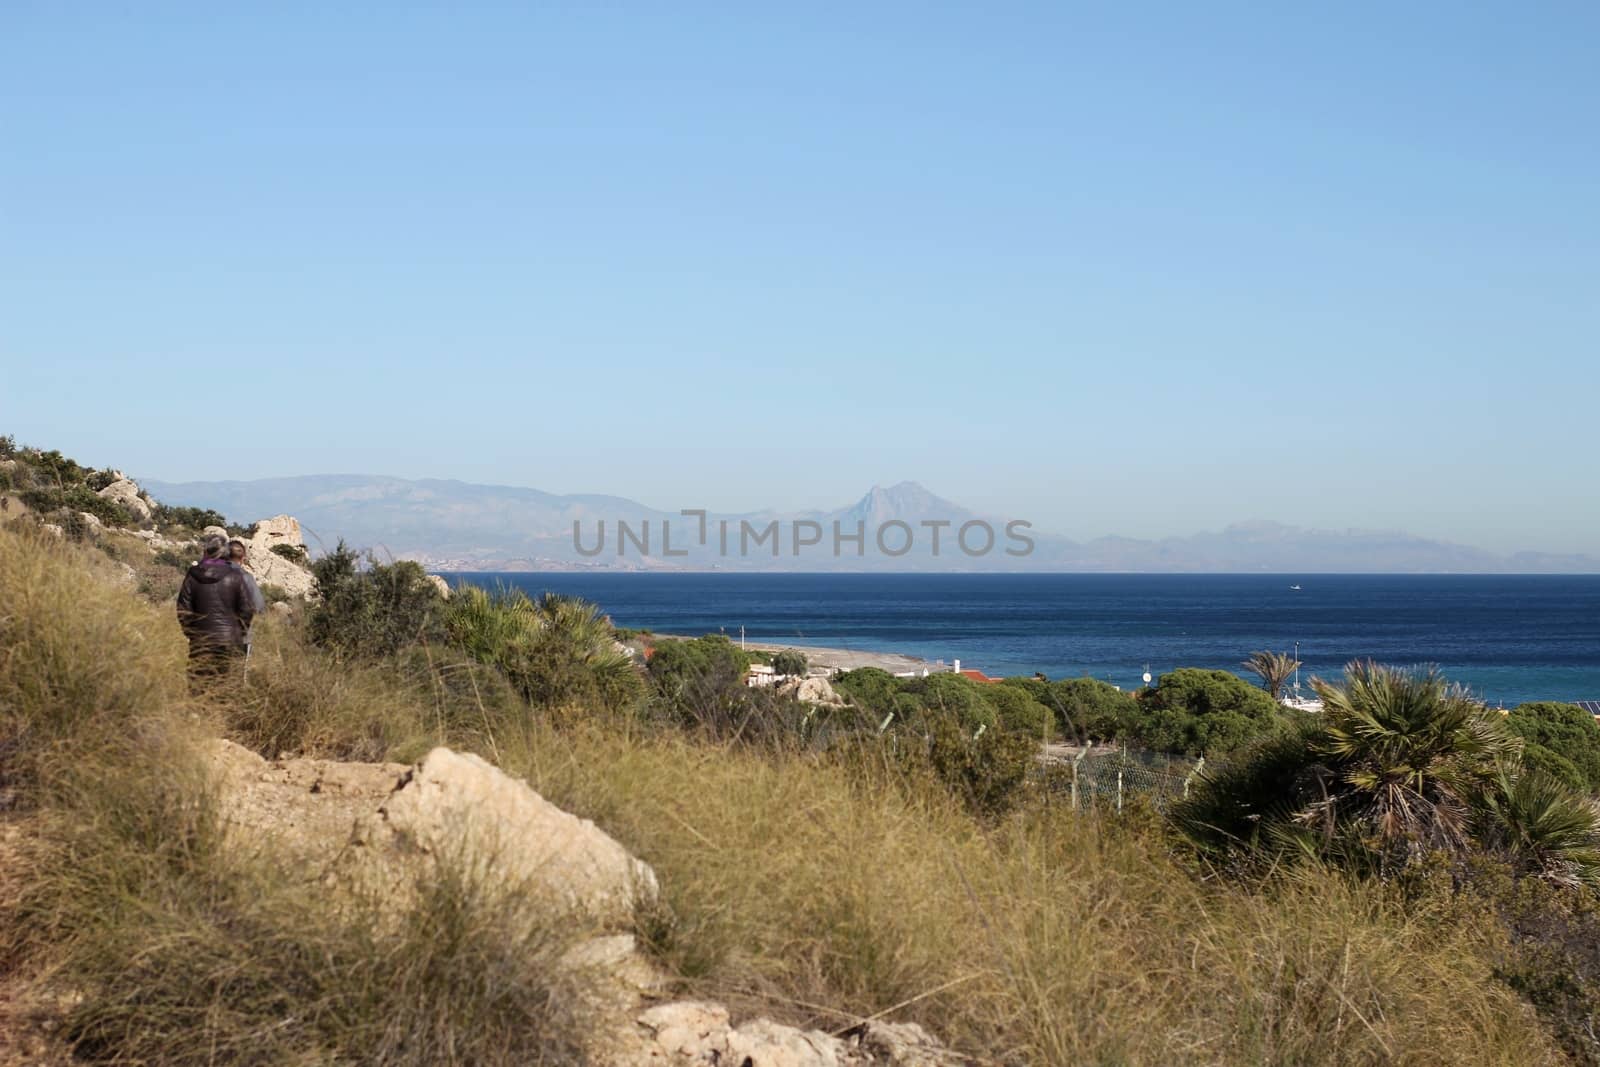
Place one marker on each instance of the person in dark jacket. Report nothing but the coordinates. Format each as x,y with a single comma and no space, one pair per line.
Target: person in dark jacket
239,556
214,608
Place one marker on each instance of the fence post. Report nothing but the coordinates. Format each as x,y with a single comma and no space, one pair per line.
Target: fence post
1075,761
1119,790
1190,776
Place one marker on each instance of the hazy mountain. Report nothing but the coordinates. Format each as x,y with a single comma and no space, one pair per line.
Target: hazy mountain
463,526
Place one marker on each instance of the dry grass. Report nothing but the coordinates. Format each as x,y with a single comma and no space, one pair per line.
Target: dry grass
819,893
83,664
806,888
295,699
167,946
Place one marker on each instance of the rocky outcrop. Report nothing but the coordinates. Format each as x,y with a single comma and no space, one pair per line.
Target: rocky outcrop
126,491
440,584
701,1034
812,691
496,827
273,569
353,822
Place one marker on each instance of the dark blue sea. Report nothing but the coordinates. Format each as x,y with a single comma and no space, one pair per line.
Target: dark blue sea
1510,638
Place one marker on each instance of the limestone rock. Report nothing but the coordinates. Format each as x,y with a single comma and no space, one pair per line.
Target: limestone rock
440,584
91,523
903,1045
273,569
695,1033
126,492
812,691
301,808
54,529
302,811
462,806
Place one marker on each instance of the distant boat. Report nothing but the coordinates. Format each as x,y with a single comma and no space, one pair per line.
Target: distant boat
1295,588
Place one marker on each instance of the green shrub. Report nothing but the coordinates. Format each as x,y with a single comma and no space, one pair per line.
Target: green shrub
1092,709
372,611
869,688
789,663
1564,731
171,557
950,694
195,519
556,650
700,682
292,553
1017,710
987,771
1202,713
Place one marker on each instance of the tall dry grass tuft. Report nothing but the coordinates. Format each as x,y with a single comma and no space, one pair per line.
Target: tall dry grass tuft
84,666
807,887
177,945
295,698
810,890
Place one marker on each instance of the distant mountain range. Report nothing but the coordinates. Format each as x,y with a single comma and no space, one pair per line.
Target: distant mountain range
453,525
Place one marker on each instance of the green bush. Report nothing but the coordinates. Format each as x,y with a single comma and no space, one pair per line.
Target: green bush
372,611
557,650
292,553
789,663
171,557
700,682
987,771
195,519
1017,710
1564,731
951,694
1202,713
870,688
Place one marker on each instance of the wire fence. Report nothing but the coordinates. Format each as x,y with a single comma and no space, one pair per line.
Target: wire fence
1090,779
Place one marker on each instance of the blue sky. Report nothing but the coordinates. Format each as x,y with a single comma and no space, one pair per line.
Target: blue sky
1139,269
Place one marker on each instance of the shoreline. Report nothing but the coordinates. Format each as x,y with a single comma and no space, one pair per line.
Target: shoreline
846,659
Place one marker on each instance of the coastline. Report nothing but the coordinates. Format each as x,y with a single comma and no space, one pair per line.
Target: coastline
846,659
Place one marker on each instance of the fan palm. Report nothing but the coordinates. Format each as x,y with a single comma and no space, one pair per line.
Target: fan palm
1274,668
1542,826
1413,752
556,649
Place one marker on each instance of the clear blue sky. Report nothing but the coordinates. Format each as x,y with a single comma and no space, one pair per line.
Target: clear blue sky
1139,269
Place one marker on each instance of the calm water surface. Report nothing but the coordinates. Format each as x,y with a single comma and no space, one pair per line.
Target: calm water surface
1511,638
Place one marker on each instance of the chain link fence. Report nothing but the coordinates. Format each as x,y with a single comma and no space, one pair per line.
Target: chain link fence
1091,778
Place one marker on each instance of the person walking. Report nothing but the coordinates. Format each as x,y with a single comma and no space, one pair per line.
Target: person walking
240,558
215,607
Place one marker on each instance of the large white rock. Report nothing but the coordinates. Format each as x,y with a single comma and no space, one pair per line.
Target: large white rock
458,809
694,1033
273,569
812,691
494,827
126,492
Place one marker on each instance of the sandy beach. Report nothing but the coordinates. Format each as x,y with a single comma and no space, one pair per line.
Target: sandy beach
844,659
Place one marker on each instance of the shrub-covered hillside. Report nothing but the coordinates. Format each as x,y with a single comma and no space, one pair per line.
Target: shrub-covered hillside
816,879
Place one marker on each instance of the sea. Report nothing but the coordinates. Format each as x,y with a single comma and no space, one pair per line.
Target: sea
1509,638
